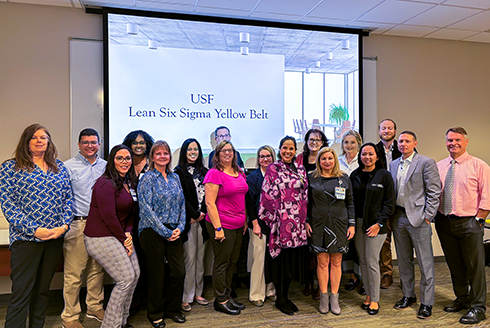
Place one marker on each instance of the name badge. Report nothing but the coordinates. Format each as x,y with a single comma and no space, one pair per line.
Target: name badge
339,193
133,194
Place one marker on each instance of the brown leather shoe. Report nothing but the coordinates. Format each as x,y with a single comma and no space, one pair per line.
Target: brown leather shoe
386,281
316,294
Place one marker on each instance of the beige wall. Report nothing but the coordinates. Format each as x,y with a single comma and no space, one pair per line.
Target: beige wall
430,85
425,85
34,69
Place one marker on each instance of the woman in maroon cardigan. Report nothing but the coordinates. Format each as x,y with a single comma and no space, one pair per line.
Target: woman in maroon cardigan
108,232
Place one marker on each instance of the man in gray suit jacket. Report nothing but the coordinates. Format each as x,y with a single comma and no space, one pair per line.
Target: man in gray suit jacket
418,188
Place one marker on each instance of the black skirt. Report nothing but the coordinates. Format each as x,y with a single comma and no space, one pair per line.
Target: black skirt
289,264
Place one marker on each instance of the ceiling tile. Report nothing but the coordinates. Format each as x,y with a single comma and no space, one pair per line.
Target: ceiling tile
246,5
223,12
286,7
441,16
345,9
450,34
481,37
77,4
110,3
478,22
395,12
63,3
410,30
276,17
480,4
174,2
426,1
378,27
160,6
325,21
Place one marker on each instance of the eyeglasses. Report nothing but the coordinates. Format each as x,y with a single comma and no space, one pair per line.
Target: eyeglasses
91,143
315,140
121,159
227,151
265,156
136,143
223,135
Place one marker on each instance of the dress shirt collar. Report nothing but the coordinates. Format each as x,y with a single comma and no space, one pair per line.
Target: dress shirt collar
409,159
460,159
83,159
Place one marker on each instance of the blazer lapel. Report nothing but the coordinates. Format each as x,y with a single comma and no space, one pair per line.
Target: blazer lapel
413,165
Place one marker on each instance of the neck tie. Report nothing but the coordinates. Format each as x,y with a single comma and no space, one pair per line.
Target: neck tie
447,196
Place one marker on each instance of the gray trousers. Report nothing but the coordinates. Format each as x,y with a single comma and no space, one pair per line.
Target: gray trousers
408,238
194,249
125,271
368,249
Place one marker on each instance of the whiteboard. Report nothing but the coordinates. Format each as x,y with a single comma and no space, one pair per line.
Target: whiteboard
86,89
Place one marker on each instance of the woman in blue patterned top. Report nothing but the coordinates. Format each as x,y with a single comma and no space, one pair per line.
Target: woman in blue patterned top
36,200
162,213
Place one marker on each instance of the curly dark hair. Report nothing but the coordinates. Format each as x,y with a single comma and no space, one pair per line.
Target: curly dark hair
128,140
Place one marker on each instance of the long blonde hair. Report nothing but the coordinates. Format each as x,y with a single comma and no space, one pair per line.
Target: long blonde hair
336,172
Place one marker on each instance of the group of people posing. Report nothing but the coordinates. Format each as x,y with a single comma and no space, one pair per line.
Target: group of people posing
146,223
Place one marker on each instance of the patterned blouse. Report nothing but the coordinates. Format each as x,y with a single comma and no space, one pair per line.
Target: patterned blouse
283,206
36,199
162,203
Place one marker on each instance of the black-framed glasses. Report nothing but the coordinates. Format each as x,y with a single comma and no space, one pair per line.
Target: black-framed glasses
122,159
265,156
91,143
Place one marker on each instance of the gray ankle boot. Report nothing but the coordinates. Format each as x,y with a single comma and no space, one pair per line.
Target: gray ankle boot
324,303
334,304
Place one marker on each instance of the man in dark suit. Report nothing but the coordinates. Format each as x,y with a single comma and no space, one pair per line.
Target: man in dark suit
388,152
418,188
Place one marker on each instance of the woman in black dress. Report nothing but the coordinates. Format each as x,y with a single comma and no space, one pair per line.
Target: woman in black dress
330,224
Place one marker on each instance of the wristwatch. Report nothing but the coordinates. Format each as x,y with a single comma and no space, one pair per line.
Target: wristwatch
217,229
480,220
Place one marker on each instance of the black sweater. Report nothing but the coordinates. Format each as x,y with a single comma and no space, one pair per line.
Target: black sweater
192,209
379,197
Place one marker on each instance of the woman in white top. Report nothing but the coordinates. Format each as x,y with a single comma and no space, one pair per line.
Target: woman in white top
351,142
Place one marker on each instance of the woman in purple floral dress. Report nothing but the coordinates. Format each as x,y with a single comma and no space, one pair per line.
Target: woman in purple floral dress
283,207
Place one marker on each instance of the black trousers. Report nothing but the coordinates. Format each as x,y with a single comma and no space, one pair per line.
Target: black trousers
163,301
462,243
226,254
33,266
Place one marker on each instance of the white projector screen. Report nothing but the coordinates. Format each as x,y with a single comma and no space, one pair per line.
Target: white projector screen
182,76
174,94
